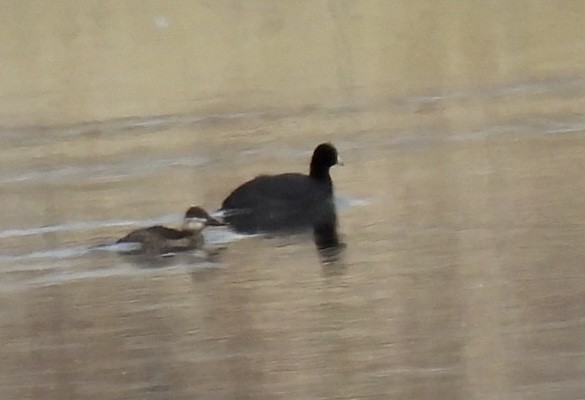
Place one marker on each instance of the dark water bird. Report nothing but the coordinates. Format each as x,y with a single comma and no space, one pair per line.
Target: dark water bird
288,203
157,240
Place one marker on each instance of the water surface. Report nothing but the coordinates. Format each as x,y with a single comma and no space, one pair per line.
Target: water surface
461,200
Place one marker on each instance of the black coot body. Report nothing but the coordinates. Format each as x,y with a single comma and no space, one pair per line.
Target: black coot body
288,203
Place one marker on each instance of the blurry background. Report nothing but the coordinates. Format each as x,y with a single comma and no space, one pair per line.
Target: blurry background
461,127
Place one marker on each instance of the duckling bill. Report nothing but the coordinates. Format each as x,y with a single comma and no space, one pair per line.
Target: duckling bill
157,240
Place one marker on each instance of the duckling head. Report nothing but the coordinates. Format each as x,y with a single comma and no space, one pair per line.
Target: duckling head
196,218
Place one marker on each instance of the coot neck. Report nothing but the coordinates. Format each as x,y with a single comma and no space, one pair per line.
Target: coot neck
320,173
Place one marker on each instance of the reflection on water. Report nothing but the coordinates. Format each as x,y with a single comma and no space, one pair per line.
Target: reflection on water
460,202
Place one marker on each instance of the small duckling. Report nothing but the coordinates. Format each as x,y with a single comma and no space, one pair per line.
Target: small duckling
159,240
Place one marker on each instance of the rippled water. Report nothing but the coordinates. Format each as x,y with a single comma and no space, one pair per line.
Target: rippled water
461,204
463,274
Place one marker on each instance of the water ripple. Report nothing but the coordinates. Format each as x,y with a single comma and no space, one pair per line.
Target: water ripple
104,172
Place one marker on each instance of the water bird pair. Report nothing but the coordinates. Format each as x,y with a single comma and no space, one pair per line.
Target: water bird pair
284,203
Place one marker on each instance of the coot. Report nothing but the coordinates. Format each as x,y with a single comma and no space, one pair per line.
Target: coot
290,202
156,240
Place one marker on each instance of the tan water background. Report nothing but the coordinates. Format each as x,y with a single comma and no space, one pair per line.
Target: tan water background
461,200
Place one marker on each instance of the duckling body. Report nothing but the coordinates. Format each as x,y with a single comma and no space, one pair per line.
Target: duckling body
156,240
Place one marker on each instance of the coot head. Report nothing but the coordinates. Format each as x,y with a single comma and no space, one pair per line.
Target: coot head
324,157
196,218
